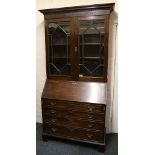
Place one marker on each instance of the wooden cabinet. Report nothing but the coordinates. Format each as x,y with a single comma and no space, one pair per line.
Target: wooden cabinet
74,96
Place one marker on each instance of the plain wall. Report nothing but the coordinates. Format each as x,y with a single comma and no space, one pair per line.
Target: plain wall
111,119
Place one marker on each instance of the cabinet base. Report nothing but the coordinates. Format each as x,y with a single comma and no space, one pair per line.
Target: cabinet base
100,147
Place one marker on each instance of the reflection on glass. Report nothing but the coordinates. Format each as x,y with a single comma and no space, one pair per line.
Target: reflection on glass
59,48
91,47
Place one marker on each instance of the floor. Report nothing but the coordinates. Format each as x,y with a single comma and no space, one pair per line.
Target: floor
63,147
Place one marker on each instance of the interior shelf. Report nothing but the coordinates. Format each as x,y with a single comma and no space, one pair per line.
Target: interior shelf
60,45
92,44
91,58
61,57
66,64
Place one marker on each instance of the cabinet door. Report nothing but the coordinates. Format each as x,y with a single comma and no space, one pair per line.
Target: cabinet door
92,48
58,39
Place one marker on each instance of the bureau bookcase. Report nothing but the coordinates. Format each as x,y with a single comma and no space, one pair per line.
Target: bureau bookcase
74,96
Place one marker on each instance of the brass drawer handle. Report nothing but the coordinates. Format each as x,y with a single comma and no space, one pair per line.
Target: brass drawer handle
90,116
54,129
71,110
90,109
89,135
70,119
70,129
53,120
53,103
53,111
47,121
90,125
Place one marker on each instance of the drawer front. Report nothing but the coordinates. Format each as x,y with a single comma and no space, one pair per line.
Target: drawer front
56,131
80,134
71,123
74,115
88,135
73,106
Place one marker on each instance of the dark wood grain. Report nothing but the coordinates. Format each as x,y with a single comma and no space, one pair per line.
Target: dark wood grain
106,48
74,106
74,18
71,123
50,137
90,92
107,6
82,134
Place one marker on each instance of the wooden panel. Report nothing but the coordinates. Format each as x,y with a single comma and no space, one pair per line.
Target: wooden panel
90,92
74,124
73,106
75,110
78,14
76,115
107,6
82,134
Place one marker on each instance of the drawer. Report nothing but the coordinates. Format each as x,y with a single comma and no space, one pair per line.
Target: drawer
71,123
56,131
56,104
73,106
75,115
87,135
80,134
87,107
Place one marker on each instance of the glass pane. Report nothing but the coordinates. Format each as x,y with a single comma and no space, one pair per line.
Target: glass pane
59,48
91,47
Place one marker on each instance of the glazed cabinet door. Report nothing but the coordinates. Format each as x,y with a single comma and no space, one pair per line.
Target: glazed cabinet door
77,48
58,47
92,48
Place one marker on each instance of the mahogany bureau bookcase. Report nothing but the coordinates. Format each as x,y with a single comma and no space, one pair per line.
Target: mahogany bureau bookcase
74,95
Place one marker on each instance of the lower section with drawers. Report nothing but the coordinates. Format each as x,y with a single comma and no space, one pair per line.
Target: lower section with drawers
77,121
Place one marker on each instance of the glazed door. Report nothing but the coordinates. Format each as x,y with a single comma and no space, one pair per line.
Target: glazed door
58,35
92,48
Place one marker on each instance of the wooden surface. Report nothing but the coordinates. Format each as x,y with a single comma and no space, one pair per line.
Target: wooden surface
72,107
74,15
91,92
108,6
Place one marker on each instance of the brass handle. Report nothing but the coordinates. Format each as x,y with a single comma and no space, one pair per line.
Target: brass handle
90,109
53,111
75,49
89,136
90,116
90,125
71,110
53,103
54,129
70,119
53,120
47,121
70,129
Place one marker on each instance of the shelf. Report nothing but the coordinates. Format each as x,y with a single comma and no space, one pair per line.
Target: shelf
60,44
79,57
79,44
64,65
61,57
91,58
50,33
92,44
90,33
